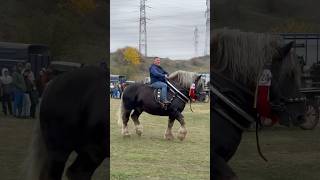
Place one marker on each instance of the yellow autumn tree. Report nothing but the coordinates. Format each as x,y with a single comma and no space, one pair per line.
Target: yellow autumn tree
132,55
83,6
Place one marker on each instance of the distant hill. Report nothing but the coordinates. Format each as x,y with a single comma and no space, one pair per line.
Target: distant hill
139,72
268,15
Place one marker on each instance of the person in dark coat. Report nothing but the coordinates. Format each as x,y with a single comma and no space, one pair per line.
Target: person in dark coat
19,89
158,78
6,91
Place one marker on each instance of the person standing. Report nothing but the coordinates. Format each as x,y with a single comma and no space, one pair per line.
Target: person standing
19,89
6,84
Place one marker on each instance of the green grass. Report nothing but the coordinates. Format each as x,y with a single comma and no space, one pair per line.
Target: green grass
152,157
15,136
292,153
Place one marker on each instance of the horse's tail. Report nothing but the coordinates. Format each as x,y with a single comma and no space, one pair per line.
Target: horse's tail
120,112
37,156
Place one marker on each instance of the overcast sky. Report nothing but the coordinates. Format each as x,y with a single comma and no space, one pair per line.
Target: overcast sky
170,30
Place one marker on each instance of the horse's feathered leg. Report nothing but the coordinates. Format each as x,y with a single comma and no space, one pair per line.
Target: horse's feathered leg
55,165
182,132
168,134
125,119
221,170
135,117
85,165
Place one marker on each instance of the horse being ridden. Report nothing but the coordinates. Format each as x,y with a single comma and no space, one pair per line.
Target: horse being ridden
138,98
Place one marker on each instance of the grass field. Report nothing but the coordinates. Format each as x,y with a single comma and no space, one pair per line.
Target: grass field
15,135
152,157
292,153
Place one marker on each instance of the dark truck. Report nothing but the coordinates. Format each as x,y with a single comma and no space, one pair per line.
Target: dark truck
37,55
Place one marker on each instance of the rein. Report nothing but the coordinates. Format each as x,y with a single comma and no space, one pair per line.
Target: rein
183,97
249,118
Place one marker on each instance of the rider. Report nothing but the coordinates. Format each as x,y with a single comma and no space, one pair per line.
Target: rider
158,78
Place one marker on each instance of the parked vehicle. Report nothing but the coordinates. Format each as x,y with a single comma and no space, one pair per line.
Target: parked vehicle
38,55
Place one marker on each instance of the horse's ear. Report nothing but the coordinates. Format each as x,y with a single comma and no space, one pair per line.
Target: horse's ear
283,51
197,79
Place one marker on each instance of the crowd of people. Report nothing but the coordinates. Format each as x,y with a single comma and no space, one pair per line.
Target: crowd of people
116,90
20,90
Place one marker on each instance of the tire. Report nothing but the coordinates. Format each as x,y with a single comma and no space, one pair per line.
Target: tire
311,117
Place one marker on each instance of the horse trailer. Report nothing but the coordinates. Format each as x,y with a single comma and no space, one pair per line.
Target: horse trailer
13,53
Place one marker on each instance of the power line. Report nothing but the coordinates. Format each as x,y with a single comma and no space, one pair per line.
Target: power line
196,41
207,36
143,28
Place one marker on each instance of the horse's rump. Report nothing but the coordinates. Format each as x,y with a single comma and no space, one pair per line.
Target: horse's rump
73,98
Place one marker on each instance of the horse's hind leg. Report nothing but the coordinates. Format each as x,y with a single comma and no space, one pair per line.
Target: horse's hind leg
85,165
125,119
135,117
168,134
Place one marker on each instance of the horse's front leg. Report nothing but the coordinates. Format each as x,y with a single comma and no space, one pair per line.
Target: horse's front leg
221,170
168,134
182,132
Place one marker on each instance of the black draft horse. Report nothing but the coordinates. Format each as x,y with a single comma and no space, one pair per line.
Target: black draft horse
238,60
138,97
73,117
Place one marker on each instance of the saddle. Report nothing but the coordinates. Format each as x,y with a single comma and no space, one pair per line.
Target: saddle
157,95
173,92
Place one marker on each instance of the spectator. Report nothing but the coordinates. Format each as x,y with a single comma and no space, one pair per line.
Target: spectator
31,74
41,81
119,90
19,89
6,91
32,92
27,103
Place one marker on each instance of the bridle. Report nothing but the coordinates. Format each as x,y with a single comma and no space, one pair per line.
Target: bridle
221,94
177,93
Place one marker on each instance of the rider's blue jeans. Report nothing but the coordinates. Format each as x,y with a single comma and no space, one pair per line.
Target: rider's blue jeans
163,87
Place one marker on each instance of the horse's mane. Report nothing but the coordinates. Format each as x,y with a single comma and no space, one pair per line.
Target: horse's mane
242,54
184,78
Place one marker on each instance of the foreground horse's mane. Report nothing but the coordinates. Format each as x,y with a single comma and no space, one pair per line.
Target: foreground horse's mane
243,54
185,78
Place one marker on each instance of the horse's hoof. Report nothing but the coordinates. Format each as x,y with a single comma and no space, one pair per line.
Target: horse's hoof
182,133
168,137
127,135
181,137
139,133
139,130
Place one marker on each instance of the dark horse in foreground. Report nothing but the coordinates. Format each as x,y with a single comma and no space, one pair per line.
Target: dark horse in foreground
140,97
73,117
239,59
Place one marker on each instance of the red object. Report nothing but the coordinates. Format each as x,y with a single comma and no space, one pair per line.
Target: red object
263,104
192,91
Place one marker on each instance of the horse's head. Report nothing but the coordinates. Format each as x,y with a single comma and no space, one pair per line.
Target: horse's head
185,81
199,85
242,57
286,80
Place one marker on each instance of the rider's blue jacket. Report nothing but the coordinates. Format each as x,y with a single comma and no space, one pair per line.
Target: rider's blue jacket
157,73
